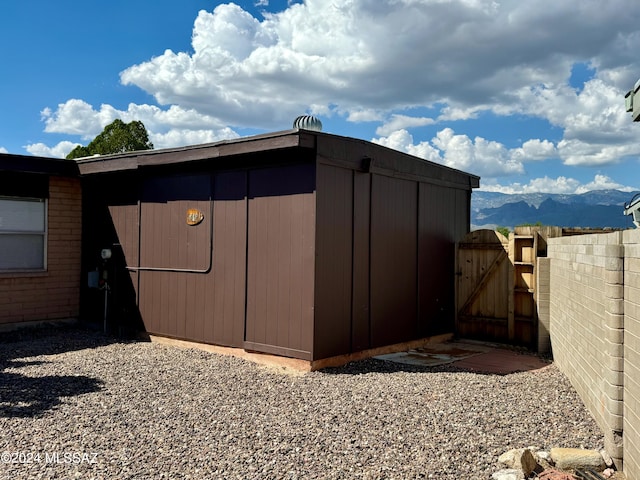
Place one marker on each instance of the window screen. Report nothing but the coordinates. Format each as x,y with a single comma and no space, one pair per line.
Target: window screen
22,233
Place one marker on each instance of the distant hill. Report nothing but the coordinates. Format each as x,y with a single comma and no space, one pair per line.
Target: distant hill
595,209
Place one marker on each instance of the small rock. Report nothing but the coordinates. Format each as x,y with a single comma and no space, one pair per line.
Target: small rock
528,463
574,458
608,461
509,458
544,459
542,455
508,474
519,459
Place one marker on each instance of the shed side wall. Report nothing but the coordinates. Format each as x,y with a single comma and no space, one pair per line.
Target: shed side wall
442,214
53,294
361,328
394,213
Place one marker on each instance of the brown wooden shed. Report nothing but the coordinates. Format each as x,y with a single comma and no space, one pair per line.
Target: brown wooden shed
297,243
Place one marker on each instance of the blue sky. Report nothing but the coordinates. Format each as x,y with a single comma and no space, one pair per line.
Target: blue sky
528,94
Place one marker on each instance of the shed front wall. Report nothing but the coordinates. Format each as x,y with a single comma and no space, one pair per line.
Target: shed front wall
243,277
191,283
280,260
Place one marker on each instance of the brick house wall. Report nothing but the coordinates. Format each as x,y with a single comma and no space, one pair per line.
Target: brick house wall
54,293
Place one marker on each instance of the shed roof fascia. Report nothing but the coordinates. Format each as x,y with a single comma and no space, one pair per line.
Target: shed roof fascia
246,145
366,156
43,165
332,149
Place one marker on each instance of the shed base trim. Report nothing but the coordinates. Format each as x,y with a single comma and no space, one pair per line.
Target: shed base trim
373,352
298,365
259,358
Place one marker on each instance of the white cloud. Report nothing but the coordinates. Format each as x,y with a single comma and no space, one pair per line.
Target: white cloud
77,117
362,55
172,127
364,115
560,184
3,150
403,141
368,60
602,182
478,156
597,130
399,122
535,149
577,152
182,137
61,150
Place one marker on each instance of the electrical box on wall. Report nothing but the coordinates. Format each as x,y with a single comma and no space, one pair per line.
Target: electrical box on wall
93,280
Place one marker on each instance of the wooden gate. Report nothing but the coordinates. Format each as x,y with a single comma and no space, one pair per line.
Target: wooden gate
482,286
495,287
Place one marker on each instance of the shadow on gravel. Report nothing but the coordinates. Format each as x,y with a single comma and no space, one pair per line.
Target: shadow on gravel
25,396
373,365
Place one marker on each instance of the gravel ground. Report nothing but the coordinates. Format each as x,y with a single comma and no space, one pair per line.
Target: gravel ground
77,404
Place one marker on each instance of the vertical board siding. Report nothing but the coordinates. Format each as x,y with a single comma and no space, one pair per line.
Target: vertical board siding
206,307
438,216
360,330
166,239
229,259
126,223
167,242
394,206
334,244
280,269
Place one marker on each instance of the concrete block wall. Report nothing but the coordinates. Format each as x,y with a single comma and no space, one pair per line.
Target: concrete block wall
631,362
55,293
543,299
586,324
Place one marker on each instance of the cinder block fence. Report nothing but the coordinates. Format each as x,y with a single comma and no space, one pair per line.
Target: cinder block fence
589,301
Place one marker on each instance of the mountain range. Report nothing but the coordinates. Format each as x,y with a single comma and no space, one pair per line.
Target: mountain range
595,209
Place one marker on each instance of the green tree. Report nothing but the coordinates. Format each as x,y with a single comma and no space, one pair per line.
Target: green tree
504,231
117,137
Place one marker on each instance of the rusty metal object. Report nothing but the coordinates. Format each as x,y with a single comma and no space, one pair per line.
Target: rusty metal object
555,474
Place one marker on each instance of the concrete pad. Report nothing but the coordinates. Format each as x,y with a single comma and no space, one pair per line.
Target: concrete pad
473,356
437,354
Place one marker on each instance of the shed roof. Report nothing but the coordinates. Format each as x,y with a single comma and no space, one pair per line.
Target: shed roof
29,164
331,149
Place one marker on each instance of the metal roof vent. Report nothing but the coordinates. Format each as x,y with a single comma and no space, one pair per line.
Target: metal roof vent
308,122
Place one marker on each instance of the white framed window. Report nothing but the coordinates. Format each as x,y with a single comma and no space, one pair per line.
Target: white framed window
23,234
